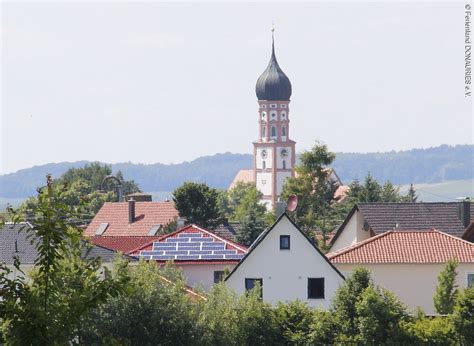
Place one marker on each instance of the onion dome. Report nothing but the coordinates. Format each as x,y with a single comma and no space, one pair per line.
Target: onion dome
273,84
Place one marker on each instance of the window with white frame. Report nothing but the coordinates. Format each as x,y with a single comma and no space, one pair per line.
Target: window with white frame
470,279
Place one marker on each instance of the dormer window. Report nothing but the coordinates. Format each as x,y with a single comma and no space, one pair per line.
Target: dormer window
284,242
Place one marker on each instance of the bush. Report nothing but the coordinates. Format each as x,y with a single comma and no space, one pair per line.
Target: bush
153,310
463,316
430,331
295,320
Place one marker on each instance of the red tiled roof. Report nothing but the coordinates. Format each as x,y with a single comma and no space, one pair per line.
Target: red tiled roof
146,250
406,247
147,215
244,176
123,244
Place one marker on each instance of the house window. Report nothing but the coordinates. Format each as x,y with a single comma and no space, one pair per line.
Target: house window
470,279
218,276
315,288
251,283
274,131
284,242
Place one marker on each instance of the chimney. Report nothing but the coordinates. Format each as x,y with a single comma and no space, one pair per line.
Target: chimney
131,210
465,212
225,222
280,208
180,222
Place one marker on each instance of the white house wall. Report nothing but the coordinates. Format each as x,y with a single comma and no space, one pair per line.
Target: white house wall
285,273
414,284
202,275
281,177
264,183
353,232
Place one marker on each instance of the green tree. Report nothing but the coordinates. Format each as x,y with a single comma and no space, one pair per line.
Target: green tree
390,193
463,316
251,226
83,190
228,319
347,296
430,331
198,203
411,195
152,310
312,188
379,315
295,320
65,283
446,290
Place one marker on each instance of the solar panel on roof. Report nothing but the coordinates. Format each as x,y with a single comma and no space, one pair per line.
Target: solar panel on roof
237,256
212,257
190,235
187,257
101,229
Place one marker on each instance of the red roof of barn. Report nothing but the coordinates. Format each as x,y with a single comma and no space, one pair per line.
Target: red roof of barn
147,215
406,247
123,244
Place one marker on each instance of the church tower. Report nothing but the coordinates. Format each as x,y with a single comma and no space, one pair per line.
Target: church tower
274,151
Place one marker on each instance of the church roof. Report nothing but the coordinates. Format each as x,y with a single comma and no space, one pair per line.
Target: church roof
273,84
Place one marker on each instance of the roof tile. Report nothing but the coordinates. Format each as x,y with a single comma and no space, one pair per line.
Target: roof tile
431,246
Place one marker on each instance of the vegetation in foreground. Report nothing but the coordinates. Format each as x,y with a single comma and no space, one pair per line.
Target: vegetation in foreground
74,300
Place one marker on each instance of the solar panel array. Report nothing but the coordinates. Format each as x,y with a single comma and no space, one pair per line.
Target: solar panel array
191,247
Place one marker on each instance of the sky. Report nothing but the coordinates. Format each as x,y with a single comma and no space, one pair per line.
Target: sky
169,82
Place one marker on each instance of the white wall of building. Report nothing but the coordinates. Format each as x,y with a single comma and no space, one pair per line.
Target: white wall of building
353,232
264,183
280,159
281,177
285,273
268,160
202,275
414,284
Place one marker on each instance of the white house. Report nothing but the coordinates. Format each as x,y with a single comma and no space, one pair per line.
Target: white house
288,266
408,263
202,255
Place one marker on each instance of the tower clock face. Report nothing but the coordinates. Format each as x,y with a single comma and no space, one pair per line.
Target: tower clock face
264,153
284,153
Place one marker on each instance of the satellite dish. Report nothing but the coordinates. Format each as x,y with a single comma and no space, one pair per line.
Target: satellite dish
292,203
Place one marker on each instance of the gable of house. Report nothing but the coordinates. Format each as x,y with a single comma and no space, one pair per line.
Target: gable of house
408,263
286,274
376,218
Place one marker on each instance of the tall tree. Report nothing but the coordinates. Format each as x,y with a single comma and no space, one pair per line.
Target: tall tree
446,290
463,316
312,187
198,203
64,285
83,188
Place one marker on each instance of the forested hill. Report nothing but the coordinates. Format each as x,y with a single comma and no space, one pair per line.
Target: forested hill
431,165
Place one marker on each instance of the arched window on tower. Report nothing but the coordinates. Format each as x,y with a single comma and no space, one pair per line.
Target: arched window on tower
264,131
274,131
264,165
283,131
284,164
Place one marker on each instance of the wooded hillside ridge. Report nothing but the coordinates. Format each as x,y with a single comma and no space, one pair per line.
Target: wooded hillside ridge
431,165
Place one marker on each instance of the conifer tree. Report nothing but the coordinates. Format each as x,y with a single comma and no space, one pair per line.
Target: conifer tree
446,290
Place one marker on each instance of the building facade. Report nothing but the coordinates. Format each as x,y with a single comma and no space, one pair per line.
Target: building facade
274,151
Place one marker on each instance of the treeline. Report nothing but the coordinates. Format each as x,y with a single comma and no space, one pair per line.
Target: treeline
404,167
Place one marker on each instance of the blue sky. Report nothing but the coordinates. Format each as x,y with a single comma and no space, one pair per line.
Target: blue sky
160,82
